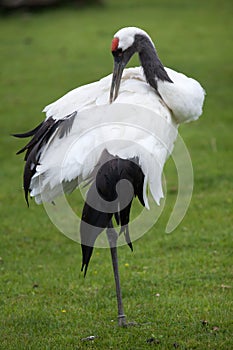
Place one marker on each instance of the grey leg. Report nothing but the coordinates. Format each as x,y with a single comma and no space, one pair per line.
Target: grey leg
112,238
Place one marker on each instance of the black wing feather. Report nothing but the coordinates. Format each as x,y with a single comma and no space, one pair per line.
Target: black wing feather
28,133
94,220
33,153
41,135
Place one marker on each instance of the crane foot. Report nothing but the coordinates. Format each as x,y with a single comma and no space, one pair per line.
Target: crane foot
122,321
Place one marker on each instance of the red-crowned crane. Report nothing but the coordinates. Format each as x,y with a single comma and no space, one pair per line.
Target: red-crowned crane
85,119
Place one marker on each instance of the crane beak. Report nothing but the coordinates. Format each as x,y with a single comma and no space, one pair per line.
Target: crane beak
119,66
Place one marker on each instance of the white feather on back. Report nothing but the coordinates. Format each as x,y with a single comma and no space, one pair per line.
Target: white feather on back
185,97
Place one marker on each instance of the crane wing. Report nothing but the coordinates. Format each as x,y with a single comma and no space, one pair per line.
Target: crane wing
79,126
124,130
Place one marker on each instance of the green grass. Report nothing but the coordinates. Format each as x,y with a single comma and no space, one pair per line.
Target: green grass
44,301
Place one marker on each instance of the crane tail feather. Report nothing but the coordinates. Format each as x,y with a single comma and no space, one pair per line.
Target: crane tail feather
103,194
93,222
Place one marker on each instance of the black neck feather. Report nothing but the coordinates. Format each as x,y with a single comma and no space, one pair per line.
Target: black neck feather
151,64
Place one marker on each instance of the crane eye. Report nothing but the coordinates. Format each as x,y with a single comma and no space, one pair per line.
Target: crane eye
117,53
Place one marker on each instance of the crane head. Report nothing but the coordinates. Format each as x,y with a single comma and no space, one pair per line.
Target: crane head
125,43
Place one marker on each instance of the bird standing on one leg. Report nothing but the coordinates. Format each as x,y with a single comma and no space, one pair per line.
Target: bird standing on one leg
124,139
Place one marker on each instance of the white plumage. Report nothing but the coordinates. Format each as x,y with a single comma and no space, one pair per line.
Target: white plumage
93,130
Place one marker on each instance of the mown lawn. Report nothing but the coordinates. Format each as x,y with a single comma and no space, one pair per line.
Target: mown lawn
178,286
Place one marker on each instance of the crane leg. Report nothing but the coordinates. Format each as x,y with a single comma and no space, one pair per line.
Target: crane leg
112,238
